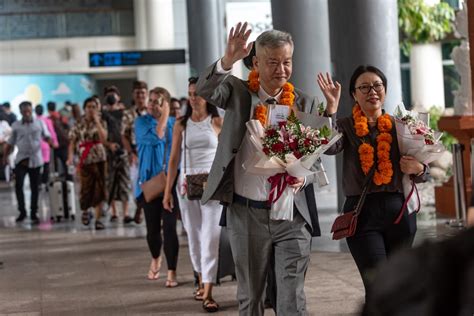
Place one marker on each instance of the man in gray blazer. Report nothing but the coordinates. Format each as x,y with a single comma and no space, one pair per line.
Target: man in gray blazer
258,242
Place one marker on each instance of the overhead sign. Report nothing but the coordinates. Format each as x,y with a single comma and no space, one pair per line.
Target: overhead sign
257,14
137,58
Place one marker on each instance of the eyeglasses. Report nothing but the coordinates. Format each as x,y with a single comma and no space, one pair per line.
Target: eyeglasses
365,88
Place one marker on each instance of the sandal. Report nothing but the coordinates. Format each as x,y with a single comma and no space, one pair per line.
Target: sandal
85,218
199,294
209,305
99,225
153,275
171,283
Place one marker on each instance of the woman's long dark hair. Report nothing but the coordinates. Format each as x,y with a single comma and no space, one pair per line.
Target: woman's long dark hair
211,109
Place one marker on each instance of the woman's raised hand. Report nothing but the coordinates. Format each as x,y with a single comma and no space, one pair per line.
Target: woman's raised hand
237,47
331,91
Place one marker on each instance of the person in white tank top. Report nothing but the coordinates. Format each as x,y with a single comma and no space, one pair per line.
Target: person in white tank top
195,141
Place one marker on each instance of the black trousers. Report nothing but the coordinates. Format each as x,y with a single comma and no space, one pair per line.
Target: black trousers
377,237
154,213
45,174
34,174
60,158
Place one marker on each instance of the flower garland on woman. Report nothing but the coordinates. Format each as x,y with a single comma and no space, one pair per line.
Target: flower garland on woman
385,225
384,172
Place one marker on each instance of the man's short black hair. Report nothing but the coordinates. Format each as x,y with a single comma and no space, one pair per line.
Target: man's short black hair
25,104
193,80
39,109
113,89
6,105
51,106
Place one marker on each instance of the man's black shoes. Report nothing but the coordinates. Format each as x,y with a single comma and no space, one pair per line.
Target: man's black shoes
34,219
21,218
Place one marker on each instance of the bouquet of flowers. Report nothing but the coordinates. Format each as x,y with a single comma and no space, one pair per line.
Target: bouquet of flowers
416,139
288,150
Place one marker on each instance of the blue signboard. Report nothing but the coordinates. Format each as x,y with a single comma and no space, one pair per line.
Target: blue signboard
136,58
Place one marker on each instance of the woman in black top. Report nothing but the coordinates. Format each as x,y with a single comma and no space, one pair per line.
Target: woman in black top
370,140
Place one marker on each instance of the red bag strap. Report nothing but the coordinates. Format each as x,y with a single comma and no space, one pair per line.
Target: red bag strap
361,201
405,204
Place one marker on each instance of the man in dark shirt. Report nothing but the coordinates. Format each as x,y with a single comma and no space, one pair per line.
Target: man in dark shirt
117,159
61,129
10,116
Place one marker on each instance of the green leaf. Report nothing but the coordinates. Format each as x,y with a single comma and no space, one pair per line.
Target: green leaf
420,23
325,131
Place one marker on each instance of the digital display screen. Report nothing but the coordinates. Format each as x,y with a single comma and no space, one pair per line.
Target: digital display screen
137,58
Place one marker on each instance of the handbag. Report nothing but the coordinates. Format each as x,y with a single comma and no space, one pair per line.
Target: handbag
345,224
155,187
196,183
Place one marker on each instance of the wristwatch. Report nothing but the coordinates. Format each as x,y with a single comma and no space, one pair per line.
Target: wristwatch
422,172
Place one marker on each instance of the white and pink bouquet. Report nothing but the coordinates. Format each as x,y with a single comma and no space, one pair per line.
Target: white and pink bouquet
416,138
286,151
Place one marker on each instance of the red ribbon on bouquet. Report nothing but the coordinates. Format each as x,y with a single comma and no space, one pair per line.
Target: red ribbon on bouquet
279,182
414,189
87,145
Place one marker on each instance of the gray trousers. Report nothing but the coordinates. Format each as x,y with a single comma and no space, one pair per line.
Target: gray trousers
256,242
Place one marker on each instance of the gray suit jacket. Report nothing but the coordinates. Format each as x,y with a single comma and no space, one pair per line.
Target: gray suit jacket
232,95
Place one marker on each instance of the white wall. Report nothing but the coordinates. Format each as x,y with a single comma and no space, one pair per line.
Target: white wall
64,55
181,41
71,55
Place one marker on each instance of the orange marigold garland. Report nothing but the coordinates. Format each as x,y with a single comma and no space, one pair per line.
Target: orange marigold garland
384,172
287,96
253,81
366,156
261,114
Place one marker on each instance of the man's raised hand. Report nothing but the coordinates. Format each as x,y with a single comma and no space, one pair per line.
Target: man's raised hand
237,47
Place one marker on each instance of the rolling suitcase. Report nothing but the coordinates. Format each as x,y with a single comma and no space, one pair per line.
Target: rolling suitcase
56,198
70,199
61,195
62,199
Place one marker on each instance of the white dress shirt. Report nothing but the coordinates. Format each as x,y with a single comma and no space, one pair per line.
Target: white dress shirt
248,185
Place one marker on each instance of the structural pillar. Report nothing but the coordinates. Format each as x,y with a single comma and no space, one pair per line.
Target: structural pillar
308,23
139,11
202,33
364,32
160,35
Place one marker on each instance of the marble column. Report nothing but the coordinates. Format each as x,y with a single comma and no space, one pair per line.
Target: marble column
160,35
365,32
139,11
308,23
202,33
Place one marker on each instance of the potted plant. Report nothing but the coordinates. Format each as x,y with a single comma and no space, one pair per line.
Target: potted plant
422,25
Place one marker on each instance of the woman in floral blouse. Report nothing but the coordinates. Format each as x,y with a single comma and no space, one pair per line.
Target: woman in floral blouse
88,137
